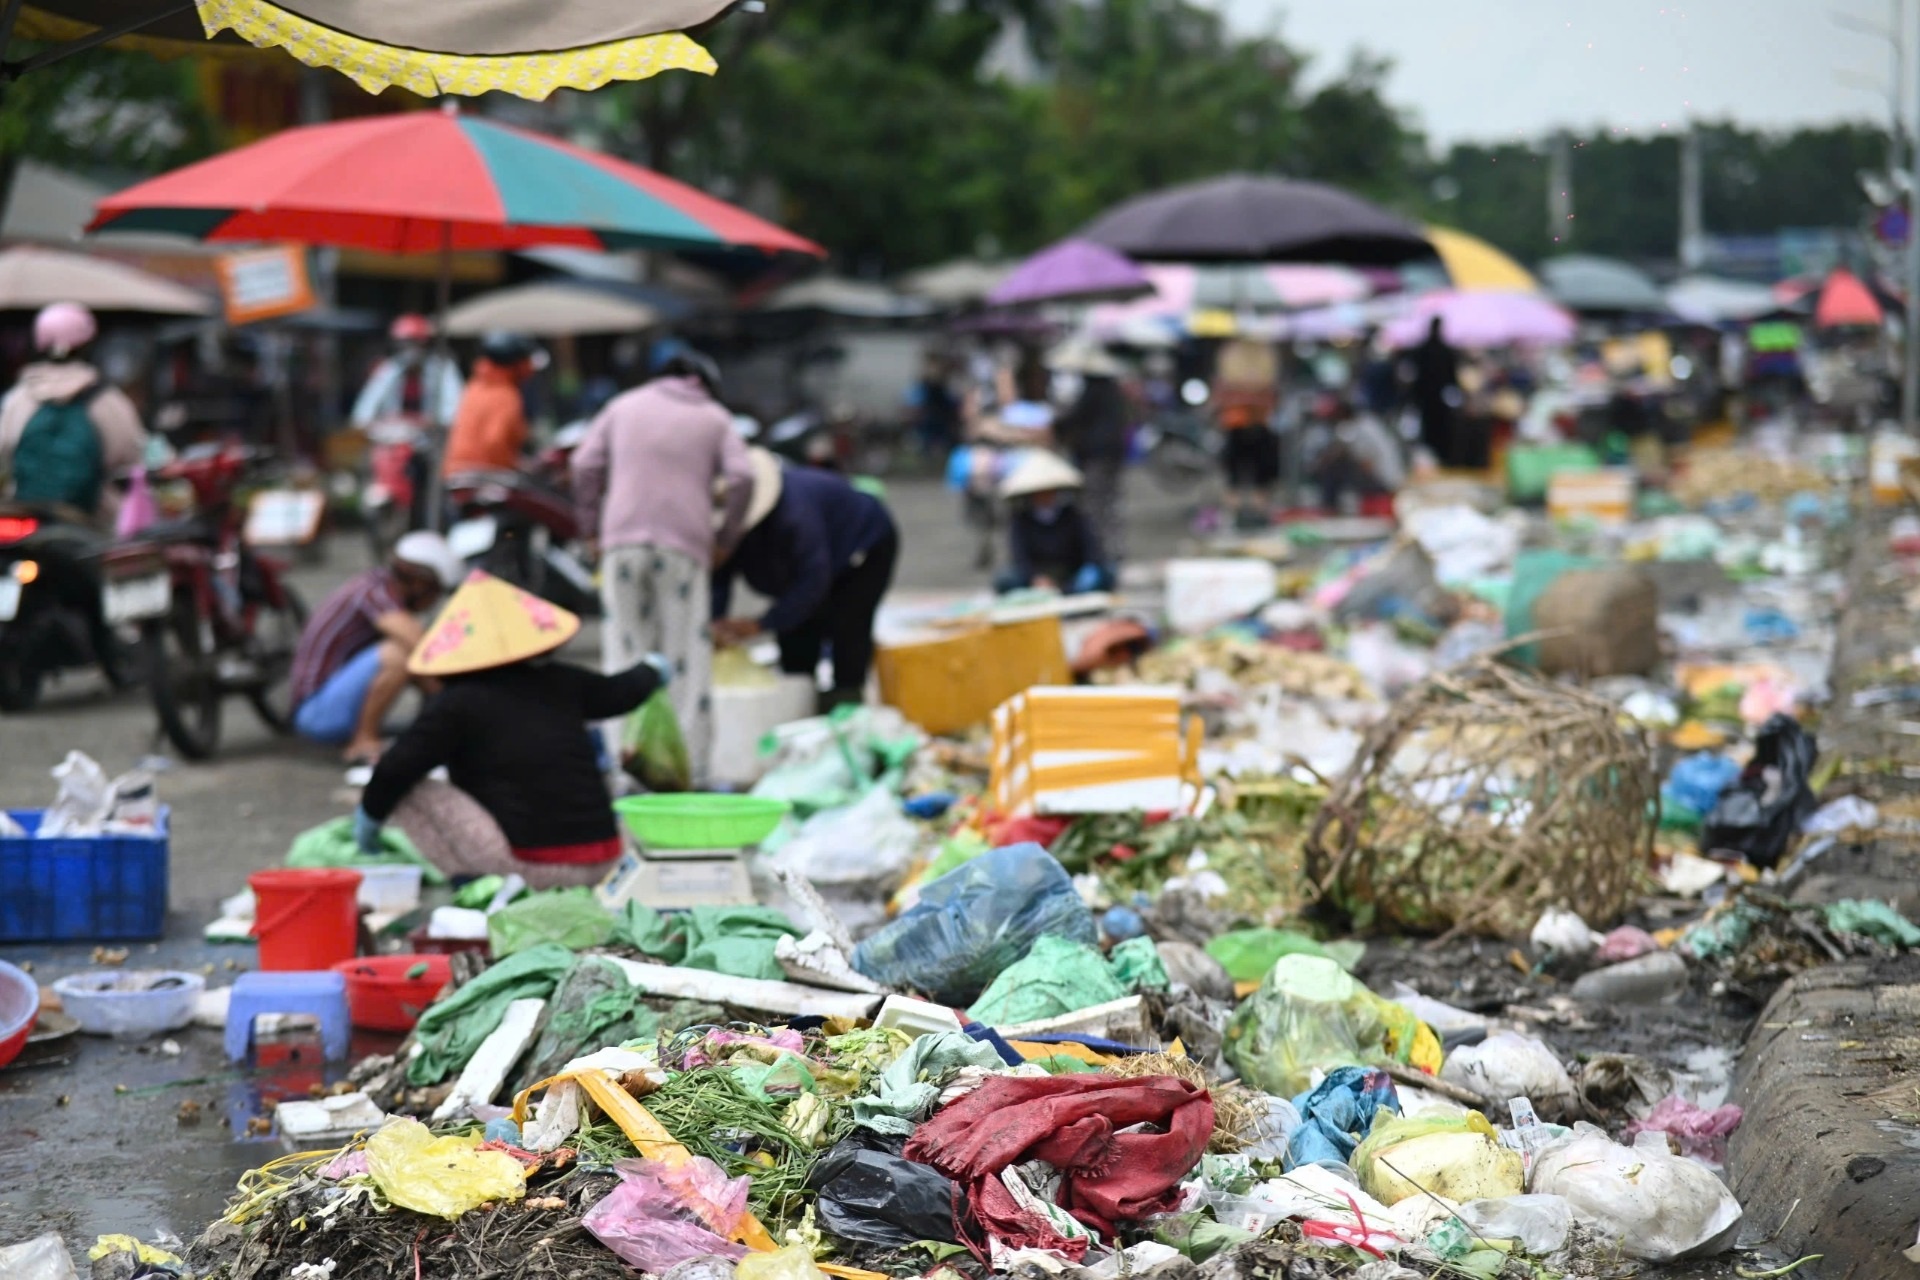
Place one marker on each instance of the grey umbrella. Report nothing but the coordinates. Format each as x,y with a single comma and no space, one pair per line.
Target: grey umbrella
1248,218
1583,282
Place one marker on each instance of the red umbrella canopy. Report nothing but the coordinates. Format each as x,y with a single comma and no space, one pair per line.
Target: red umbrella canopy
431,180
1845,300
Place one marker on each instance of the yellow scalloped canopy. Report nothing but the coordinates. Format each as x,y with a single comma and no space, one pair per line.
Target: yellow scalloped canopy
374,66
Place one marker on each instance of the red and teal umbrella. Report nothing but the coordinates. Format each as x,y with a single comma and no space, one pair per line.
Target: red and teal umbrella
432,181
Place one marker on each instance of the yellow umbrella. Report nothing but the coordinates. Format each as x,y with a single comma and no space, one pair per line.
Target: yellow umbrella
1473,264
430,47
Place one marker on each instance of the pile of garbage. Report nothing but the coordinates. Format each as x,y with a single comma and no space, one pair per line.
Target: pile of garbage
1147,1004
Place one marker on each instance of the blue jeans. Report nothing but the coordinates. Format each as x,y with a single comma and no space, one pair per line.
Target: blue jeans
332,713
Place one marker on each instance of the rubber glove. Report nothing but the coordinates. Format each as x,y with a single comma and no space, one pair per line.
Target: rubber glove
366,832
1090,578
662,666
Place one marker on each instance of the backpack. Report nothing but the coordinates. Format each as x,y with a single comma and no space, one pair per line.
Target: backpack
58,458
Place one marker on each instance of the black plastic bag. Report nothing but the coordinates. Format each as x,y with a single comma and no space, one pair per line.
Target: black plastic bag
874,1196
1757,816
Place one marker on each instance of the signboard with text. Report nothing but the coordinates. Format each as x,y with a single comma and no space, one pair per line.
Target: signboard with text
262,284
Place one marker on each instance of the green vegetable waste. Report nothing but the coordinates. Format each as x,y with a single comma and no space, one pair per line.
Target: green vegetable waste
1872,919
1247,954
331,844
571,917
738,941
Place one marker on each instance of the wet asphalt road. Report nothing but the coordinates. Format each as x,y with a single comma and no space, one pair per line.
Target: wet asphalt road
92,1137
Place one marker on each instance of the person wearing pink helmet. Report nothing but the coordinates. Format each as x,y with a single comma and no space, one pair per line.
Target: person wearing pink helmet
45,448
413,382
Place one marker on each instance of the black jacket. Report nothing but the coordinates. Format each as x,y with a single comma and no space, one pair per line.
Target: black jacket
515,739
1056,549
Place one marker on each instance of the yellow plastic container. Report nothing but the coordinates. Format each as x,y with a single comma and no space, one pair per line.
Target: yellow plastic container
950,683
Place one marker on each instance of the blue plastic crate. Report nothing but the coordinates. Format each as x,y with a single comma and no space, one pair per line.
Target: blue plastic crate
82,888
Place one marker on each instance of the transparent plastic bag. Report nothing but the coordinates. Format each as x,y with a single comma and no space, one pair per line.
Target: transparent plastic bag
1539,1223
1651,1203
975,921
1311,1015
660,1216
1508,1065
444,1177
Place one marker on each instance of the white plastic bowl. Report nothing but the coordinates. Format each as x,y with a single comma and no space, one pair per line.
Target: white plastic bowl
127,1004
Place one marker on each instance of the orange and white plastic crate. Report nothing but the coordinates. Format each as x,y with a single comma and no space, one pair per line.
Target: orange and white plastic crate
1109,749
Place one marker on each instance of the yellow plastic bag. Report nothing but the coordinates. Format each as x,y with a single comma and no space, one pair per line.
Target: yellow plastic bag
441,1176
1457,1157
791,1263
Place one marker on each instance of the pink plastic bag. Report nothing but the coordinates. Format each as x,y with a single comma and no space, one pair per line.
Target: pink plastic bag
1625,943
1702,1133
660,1215
138,510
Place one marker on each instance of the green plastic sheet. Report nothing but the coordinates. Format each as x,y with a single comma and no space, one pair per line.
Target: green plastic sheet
331,844
452,1028
1876,920
1247,954
1059,976
737,941
571,917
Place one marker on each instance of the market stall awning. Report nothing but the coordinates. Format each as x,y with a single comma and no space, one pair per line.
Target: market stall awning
1251,218
552,309
469,48
1483,319
1472,264
1071,271
1847,302
434,181
31,277
1583,282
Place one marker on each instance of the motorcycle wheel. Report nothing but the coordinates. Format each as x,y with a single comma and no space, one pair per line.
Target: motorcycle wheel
20,682
275,636
183,677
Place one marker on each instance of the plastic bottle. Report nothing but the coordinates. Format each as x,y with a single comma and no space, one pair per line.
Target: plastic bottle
1646,980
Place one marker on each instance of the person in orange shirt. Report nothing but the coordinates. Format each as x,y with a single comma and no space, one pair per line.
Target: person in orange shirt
490,426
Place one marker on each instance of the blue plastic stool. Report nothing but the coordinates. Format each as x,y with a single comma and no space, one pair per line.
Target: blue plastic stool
322,994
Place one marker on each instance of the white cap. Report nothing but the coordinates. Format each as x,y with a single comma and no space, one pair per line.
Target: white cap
430,551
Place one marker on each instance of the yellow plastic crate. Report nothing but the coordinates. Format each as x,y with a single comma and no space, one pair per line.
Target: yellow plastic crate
950,683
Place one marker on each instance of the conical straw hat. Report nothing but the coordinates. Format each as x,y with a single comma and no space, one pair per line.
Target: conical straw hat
1038,472
489,623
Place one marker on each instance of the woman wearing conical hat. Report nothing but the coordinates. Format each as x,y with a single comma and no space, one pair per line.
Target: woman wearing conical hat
524,791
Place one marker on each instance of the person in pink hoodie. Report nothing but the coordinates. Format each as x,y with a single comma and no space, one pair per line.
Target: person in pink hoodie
61,334
647,478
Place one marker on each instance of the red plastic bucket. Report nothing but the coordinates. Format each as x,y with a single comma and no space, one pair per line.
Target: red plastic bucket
305,918
380,995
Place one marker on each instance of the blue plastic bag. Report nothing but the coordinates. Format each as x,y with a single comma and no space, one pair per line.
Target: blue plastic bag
975,921
1695,784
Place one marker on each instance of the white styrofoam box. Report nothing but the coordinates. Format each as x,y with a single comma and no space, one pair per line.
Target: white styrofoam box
916,1017
744,714
389,889
1202,594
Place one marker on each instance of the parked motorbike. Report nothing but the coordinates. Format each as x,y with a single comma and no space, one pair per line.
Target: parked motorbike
392,496
522,526
1180,448
231,621
69,599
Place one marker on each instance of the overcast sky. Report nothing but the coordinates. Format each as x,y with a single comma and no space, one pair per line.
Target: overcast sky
1488,69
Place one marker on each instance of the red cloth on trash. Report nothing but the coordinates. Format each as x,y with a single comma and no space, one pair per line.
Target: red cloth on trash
1070,1122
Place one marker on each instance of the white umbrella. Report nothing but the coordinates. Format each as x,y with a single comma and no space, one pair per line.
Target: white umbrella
550,309
32,277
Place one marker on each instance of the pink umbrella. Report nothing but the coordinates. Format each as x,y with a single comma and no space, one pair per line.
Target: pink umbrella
1484,320
1312,286
1073,270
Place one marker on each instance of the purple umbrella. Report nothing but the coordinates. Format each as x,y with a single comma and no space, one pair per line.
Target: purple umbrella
1071,271
1479,319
